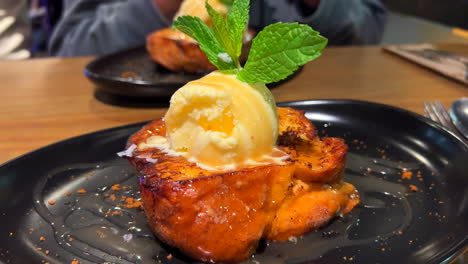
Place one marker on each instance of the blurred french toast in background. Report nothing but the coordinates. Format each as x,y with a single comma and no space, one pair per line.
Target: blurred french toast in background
175,50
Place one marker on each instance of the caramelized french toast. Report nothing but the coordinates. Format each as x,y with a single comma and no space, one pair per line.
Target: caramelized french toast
177,52
221,216
316,160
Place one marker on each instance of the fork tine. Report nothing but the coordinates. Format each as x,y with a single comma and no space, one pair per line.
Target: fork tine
437,113
437,109
445,115
428,109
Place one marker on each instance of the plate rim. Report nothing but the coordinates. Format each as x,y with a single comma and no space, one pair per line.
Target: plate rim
92,75
419,117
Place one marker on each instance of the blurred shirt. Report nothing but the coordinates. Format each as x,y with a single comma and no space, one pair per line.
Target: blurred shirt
99,27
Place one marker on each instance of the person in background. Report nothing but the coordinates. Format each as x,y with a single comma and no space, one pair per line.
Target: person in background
15,29
99,27
38,16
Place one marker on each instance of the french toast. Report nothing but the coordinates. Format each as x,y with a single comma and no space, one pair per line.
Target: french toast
177,52
218,216
316,160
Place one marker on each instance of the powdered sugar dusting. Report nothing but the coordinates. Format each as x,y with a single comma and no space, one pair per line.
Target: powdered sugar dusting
148,158
128,152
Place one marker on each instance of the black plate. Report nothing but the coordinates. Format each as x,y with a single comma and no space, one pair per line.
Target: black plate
391,225
132,73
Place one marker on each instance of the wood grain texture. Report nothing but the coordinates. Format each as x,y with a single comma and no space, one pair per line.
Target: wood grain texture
47,100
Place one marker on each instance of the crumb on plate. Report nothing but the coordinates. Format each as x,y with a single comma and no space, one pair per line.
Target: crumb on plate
406,175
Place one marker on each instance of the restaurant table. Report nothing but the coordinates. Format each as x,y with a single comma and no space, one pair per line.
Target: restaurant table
47,100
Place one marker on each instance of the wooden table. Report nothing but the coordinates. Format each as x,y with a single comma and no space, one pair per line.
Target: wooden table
46,100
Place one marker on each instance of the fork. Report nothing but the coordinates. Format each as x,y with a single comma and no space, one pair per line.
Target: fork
437,113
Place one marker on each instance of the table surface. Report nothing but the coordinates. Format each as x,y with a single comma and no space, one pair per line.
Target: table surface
47,100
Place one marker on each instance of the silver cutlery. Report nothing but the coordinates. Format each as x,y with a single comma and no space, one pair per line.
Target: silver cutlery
437,113
459,115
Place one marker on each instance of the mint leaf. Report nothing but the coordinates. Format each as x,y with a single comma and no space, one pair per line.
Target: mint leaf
237,22
220,30
278,50
209,44
230,31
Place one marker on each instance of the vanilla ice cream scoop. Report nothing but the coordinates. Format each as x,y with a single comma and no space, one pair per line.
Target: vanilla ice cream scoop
220,121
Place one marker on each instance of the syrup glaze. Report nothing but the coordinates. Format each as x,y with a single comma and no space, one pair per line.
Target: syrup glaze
92,227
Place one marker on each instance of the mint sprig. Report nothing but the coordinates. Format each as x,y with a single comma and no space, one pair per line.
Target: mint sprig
224,39
276,52
237,19
220,29
209,44
230,30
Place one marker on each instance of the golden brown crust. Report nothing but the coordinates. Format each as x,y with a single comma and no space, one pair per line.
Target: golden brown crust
194,209
217,218
310,206
294,128
176,53
317,160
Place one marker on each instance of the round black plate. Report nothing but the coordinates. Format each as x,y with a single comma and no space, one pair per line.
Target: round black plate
132,73
391,225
